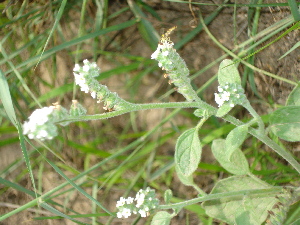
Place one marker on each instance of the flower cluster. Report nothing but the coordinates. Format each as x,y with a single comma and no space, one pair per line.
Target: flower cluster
85,78
37,126
41,122
143,202
175,67
231,94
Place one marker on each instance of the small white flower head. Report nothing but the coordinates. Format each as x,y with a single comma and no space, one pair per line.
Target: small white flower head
37,125
119,214
129,200
86,68
165,45
165,53
230,93
40,124
155,54
93,94
144,202
143,213
140,198
124,212
76,68
84,74
85,78
121,202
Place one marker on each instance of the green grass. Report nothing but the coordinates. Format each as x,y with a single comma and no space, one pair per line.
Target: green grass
98,162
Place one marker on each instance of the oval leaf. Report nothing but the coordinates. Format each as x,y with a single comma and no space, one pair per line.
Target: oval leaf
223,110
294,97
285,123
253,208
186,180
235,139
228,73
237,164
161,218
188,152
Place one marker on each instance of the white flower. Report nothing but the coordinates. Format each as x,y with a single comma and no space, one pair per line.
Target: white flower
119,215
222,96
93,94
165,53
143,213
225,96
76,68
231,93
141,204
42,134
81,81
40,116
155,54
219,100
129,200
121,202
140,198
86,68
126,212
34,127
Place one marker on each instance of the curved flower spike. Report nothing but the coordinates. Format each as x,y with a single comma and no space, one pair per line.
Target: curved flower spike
85,78
176,69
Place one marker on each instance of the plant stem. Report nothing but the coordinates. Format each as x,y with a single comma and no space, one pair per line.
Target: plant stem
132,108
255,193
201,105
261,126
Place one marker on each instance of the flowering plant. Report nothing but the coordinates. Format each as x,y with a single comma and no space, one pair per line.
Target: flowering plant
240,199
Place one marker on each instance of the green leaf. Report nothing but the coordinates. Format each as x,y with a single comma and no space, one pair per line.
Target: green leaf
188,152
161,218
254,210
297,45
294,97
24,65
167,196
6,100
237,164
202,113
223,110
285,123
186,180
243,219
146,29
228,73
235,139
